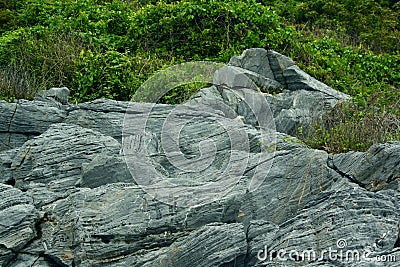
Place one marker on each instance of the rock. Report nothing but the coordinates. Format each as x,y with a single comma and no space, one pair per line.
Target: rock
107,223
53,161
23,260
359,225
303,98
255,60
104,169
102,115
235,77
274,66
123,212
6,159
298,108
212,98
55,94
25,119
278,63
296,79
296,177
210,245
217,181
209,147
18,219
377,169
13,140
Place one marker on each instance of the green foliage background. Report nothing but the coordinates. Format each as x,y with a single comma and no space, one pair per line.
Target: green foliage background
100,48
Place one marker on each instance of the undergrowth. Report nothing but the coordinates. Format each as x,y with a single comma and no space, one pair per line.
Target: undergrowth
101,48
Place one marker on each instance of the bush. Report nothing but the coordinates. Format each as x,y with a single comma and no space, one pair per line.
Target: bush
16,83
372,24
103,58
7,15
43,57
357,72
103,48
214,30
111,74
351,128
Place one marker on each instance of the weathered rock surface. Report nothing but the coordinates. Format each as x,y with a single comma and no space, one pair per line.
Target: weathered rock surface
366,170
54,95
23,120
19,219
80,185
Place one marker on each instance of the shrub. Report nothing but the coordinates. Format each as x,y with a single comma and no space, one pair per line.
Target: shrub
17,83
351,128
373,24
111,74
352,70
7,15
103,58
44,58
214,30
104,48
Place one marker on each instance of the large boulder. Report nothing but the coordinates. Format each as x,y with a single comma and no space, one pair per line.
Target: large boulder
217,181
295,98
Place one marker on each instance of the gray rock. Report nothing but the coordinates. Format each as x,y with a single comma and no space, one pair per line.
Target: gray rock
296,177
298,108
212,98
206,183
6,159
278,63
210,245
54,160
103,105
303,98
23,260
119,223
235,77
22,120
102,115
6,255
344,220
255,60
104,169
102,225
56,94
10,140
18,219
274,66
295,200
152,148
297,79
377,169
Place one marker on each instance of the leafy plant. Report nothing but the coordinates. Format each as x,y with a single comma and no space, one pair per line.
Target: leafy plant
103,48
372,24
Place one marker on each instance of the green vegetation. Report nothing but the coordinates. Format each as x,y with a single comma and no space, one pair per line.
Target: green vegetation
351,127
101,48
108,48
374,24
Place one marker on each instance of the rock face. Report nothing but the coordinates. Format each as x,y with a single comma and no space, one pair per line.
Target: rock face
217,181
